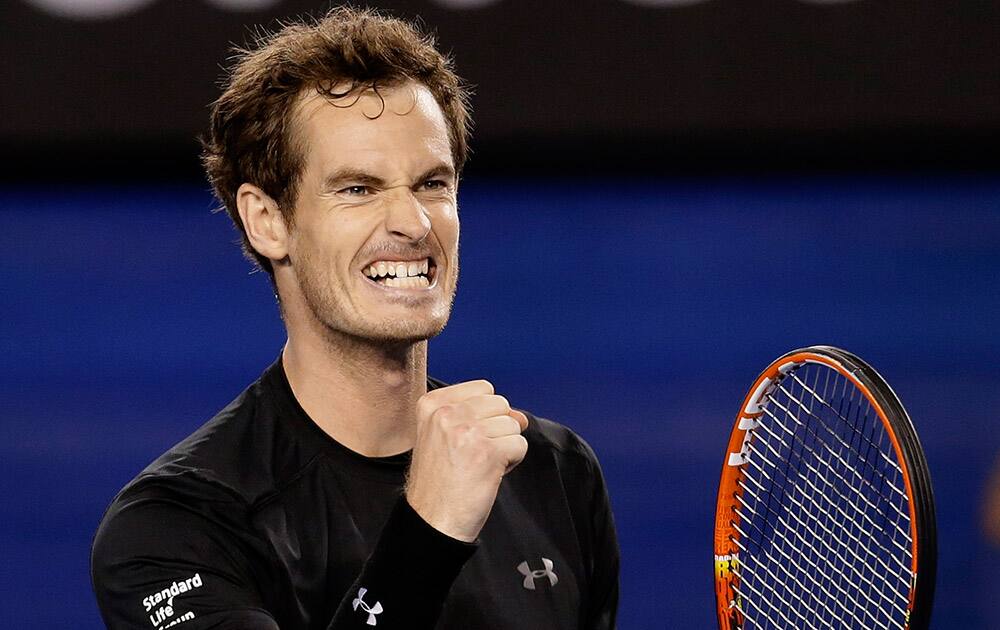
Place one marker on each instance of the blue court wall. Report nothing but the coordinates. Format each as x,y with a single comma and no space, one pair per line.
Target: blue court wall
635,311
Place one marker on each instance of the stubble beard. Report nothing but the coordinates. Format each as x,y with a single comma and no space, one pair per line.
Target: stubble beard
324,295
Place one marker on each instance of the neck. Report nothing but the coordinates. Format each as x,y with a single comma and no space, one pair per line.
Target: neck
362,394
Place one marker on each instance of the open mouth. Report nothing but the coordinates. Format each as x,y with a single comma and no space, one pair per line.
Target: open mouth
402,274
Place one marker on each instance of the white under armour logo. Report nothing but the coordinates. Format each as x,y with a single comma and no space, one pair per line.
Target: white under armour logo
530,576
374,610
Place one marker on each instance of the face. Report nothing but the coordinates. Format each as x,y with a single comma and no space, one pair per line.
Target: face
373,249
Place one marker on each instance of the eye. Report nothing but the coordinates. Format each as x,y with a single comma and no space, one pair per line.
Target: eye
355,191
435,184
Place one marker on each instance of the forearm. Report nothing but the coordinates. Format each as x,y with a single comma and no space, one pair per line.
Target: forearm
407,577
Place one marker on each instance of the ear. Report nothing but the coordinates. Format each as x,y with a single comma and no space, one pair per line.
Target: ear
264,225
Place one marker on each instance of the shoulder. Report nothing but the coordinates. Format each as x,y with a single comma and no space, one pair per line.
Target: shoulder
196,497
216,456
243,454
561,443
558,437
193,481
560,462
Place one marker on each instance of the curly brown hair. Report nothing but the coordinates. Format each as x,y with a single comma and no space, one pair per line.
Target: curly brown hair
250,138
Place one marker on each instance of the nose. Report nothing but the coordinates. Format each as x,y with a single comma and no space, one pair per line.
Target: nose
406,217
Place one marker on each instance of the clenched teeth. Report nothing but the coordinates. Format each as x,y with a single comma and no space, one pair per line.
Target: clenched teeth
407,283
400,274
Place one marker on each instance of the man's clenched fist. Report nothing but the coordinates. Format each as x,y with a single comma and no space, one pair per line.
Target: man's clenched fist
467,439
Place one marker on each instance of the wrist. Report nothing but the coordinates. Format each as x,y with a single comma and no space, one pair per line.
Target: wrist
442,522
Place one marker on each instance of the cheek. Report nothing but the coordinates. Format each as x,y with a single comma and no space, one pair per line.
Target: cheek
344,236
309,247
447,227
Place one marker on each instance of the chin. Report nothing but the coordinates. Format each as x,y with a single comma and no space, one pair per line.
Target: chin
391,325
418,331
391,332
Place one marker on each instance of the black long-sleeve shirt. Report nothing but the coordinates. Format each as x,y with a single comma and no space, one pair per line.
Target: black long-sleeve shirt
259,520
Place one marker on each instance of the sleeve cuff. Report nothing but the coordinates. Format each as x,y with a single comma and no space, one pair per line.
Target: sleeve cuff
413,567
427,557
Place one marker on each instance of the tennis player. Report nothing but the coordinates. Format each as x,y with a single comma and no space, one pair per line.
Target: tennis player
345,488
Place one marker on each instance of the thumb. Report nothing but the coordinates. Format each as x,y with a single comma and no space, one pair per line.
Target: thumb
520,417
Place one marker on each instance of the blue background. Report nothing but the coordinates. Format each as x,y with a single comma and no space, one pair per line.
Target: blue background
635,311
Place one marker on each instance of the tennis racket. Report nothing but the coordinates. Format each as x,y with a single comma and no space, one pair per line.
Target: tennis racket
825,515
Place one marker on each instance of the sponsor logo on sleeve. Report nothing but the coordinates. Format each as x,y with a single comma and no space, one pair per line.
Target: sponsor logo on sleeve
372,611
545,572
160,605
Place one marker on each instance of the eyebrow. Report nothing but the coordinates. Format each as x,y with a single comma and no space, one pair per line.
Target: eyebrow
341,177
441,170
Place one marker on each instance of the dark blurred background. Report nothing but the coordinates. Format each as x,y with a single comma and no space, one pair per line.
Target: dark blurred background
663,197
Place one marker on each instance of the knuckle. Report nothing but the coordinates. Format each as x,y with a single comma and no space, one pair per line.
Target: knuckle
428,398
470,440
486,384
473,432
442,416
425,406
503,426
462,435
461,410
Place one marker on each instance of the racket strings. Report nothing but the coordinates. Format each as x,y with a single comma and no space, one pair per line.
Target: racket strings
823,518
826,529
808,590
810,566
814,568
859,542
798,539
868,441
857,477
804,508
812,452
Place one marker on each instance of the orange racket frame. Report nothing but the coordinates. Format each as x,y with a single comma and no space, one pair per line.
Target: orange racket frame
909,455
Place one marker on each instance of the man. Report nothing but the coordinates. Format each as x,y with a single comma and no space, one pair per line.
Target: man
345,488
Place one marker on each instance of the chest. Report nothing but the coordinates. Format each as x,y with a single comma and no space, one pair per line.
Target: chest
527,572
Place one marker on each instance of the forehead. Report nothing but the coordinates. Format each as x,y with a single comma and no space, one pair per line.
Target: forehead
391,128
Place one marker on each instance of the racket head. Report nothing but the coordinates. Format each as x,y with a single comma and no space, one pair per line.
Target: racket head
775,530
